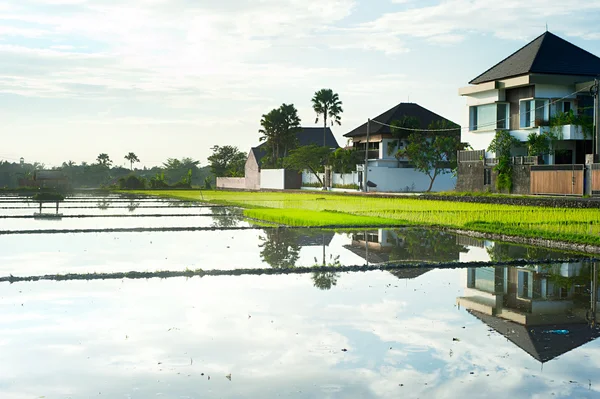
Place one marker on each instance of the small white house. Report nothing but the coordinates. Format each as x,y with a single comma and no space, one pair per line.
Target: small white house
386,171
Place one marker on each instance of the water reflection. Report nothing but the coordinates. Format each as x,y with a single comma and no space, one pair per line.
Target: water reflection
103,204
226,217
406,245
545,310
133,205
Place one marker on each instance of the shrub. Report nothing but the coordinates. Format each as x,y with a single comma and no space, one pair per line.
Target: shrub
316,184
48,197
132,183
351,186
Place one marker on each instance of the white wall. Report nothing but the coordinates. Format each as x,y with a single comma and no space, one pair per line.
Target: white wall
272,179
553,91
346,178
407,180
482,139
231,182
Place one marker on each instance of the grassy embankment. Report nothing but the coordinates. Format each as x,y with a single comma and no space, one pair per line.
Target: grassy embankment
318,209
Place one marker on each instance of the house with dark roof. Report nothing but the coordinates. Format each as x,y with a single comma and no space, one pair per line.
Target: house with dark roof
543,84
544,310
290,179
389,173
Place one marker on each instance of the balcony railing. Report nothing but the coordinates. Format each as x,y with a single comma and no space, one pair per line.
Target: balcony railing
373,154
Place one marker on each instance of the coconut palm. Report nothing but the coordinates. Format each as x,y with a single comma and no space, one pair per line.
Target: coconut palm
132,158
104,160
327,103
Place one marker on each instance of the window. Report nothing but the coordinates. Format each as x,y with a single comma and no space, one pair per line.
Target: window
534,112
566,106
488,116
487,176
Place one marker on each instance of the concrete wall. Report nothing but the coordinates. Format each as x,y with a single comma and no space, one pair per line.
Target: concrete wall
231,182
471,178
252,173
272,179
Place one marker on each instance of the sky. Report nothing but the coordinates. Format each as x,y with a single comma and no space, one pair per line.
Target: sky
172,78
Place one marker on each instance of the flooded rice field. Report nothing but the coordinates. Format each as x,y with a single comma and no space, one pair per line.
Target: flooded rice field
426,332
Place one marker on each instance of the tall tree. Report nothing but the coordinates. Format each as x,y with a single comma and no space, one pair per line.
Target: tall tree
309,157
327,103
104,160
131,157
279,128
227,161
433,153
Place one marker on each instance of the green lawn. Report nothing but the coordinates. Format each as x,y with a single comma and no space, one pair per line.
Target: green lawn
324,209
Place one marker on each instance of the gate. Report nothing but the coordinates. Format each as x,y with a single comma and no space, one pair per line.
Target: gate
558,179
595,178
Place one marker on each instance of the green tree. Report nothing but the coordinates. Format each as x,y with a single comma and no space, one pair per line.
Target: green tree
309,157
104,160
344,160
327,103
132,158
279,128
502,145
227,161
433,153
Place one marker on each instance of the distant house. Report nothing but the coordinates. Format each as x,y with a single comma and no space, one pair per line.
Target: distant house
524,94
385,170
290,179
47,179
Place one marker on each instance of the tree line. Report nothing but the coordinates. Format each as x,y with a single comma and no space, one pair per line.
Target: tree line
184,172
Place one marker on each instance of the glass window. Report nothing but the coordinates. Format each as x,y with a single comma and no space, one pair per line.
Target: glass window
488,117
502,116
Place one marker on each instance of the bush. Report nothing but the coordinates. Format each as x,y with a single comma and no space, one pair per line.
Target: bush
132,183
311,184
48,197
181,184
351,186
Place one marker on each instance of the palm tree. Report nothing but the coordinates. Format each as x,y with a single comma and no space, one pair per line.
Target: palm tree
327,103
131,157
104,160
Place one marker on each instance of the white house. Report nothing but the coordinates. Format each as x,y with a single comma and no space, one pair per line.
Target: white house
524,91
385,170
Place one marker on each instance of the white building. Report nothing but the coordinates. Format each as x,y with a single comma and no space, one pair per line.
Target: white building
522,93
388,172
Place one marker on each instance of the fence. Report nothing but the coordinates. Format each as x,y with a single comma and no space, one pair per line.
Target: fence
470,156
595,178
557,179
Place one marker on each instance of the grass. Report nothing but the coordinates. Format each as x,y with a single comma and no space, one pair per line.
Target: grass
580,226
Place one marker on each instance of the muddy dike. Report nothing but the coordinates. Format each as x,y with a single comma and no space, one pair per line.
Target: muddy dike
548,202
291,270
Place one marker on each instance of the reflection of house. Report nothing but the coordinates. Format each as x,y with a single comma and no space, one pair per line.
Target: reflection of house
546,83
374,246
525,304
256,177
387,171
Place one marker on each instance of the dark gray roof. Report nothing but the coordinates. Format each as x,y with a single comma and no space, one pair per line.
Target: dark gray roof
306,136
49,175
533,340
424,115
547,54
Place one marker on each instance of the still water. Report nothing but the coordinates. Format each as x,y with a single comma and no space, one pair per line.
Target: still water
499,332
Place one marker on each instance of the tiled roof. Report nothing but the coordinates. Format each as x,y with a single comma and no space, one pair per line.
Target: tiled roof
547,54
424,115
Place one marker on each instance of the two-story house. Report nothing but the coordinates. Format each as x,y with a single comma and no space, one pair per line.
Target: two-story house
524,91
386,171
544,87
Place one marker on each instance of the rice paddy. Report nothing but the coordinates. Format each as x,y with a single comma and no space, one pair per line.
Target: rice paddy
580,226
